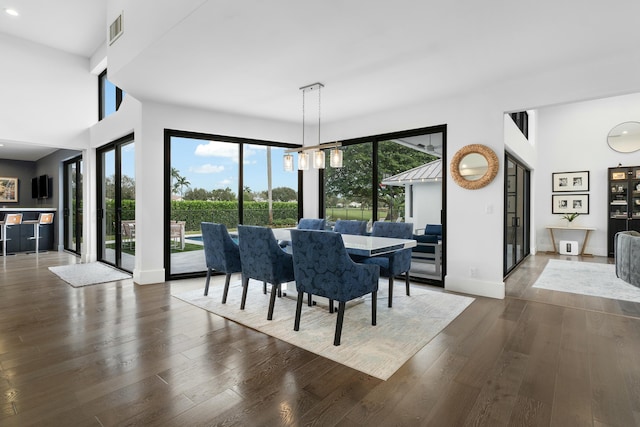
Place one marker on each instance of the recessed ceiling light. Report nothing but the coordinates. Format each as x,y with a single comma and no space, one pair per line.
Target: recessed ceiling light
11,12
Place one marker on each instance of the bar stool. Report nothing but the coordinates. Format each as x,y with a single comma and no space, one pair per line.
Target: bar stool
43,219
9,221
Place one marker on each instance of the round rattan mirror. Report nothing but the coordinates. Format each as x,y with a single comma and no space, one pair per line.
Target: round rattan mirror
474,166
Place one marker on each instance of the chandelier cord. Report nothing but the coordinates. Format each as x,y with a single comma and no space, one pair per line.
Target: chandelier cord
319,92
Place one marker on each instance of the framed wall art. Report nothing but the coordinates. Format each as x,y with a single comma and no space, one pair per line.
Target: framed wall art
8,190
570,181
570,203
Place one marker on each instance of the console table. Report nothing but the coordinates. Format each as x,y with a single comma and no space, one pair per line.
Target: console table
586,230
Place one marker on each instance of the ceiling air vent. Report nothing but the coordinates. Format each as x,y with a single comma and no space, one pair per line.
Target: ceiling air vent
115,29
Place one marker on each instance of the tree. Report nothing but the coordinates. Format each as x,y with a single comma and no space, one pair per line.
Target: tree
284,194
197,194
269,185
353,182
127,188
223,194
247,194
178,186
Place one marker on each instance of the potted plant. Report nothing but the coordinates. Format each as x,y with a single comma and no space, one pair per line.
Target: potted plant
570,217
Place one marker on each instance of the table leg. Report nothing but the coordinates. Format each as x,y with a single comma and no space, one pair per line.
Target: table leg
584,244
553,242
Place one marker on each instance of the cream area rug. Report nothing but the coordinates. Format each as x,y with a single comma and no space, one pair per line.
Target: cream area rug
379,351
586,278
78,275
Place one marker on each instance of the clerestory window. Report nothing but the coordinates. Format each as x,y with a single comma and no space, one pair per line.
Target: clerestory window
109,96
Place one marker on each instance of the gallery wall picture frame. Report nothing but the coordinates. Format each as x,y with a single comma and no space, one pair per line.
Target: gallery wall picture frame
570,203
8,190
570,181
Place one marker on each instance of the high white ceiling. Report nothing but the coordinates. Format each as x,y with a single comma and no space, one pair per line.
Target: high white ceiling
250,57
74,26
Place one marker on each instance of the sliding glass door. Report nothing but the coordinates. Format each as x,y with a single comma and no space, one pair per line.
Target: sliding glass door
72,210
116,203
392,177
224,180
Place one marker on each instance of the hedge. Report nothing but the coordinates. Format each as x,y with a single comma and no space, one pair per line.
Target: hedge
193,212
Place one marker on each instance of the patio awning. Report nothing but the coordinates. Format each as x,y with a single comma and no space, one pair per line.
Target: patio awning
429,172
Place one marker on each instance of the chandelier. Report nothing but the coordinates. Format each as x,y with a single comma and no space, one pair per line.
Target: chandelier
318,154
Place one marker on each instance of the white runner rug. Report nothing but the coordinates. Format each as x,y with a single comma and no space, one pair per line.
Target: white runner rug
78,275
379,351
586,278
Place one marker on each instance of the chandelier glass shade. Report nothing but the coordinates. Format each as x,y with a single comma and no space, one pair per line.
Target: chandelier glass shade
335,158
288,162
319,156
303,161
318,159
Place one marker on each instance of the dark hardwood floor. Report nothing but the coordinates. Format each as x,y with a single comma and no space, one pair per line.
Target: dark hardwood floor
120,354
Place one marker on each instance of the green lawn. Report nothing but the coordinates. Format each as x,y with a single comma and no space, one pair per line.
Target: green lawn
353,213
131,249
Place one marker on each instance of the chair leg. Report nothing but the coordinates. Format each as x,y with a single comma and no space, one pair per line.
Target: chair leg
390,290
336,339
406,281
309,300
245,285
296,323
330,305
226,288
272,300
374,308
264,288
206,283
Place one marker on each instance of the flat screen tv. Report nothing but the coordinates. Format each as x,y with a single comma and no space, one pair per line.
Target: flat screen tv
43,186
34,188
40,187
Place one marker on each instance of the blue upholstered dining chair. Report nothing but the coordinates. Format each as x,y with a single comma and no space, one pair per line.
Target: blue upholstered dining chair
397,262
263,259
344,226
221,254
311,224
322,267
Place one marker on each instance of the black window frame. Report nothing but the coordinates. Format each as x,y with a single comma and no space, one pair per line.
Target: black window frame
101,106
170,133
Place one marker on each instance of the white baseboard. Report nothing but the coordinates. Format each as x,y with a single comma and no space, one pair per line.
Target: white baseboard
467,285
148,277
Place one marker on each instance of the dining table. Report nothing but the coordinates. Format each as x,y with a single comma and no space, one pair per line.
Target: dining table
366,246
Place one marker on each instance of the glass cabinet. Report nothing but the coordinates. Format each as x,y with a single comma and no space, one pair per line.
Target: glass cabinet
624,201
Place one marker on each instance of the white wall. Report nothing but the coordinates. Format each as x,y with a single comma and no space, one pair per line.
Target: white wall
573,137
427,204
47,98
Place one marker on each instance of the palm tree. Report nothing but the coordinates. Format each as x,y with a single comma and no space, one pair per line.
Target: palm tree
269,185
179,185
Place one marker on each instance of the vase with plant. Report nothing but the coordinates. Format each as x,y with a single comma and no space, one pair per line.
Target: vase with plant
570,217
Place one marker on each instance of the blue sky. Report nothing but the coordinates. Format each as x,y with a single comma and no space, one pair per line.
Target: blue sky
214,164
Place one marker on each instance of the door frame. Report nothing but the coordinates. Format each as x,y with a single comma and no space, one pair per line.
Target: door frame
526,220
116,146
77,214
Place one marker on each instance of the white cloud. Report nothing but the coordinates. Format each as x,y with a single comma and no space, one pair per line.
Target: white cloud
218,149
207,168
